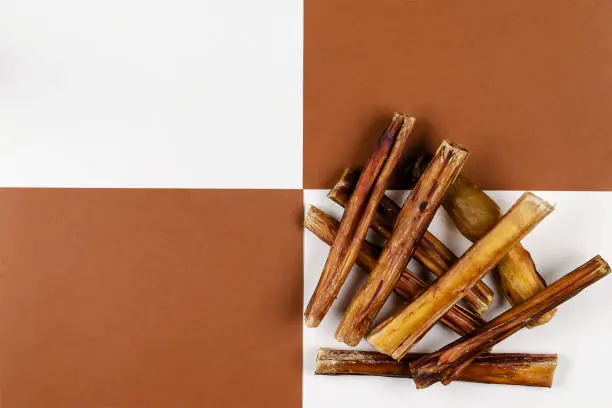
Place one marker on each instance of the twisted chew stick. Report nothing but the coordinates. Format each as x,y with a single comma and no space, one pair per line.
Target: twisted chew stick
534,370
417,213
474,213
336,267
399,333
408,287
447,364
430,251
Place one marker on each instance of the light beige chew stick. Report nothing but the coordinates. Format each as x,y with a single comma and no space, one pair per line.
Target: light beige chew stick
334,274
417,213
475,213
533,370
408,287
399,333
430,251
449,362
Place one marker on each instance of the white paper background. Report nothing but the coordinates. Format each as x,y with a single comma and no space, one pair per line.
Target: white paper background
150,93
580,333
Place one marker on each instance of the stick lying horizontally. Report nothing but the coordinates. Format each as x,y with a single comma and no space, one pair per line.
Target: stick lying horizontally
399,333
408,287
447,364
336,267
417,213
475,213
535,370
430,251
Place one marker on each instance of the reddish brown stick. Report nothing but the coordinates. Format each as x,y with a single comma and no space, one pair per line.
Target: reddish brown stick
534,370
378,191
430,251
333,275
408,287
417,213
446,364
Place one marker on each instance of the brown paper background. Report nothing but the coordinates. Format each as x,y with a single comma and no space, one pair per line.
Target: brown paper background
525,85
150,298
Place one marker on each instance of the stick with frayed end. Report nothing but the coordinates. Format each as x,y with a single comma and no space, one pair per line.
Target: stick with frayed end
430,251
346,245
475,213
399,333
534,370
447,364
417,213
408,287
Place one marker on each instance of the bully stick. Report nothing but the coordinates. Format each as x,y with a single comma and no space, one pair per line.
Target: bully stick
430,251
535,370
417,213
399,333
408,287
336,269
447,364
474,213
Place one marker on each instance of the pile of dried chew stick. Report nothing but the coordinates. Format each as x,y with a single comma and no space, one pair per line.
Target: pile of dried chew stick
457,297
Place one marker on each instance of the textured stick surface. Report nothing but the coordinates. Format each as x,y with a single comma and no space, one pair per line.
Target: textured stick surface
333,275
408,287
430,251
399,333
446,364
417,213
535,370
378,191
475,213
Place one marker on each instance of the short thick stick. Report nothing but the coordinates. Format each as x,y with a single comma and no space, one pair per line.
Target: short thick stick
417,213
534,370
475,213
447,364
333,274
408,287
400,332
430,251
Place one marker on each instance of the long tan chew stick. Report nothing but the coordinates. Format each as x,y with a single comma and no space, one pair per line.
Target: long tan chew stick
475,213
408,287
447,364
417,213
399,333
430,251
534,370
334,274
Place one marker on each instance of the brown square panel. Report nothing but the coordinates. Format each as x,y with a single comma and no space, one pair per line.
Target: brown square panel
525,85
150,298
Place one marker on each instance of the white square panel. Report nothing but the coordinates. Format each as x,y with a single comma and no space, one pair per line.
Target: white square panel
135,93
577,230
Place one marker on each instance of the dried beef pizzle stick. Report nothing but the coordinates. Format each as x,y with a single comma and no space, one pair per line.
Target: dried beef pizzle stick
430,251
399,333
334,274
475,213
417,213
408,287
534,370
447,364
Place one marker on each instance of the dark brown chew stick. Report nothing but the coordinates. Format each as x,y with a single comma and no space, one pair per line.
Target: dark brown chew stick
446,364
534,370
430,251
417,213
333,275
409,286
